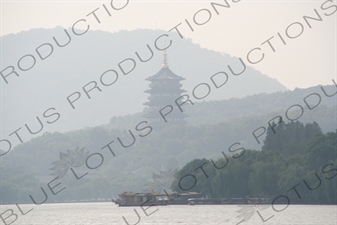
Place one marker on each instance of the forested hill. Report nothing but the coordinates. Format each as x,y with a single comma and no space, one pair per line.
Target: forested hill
255,109
233,122
306,154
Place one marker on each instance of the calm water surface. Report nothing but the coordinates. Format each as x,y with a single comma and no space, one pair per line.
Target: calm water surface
110,214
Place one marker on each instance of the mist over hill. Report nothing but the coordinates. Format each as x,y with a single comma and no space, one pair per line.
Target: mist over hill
68,70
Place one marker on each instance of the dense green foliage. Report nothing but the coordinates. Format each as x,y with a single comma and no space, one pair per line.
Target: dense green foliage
291,138
308,164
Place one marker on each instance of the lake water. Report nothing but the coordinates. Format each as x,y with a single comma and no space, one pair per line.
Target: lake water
110,214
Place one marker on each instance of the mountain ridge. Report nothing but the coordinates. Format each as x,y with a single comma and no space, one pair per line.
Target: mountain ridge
69,69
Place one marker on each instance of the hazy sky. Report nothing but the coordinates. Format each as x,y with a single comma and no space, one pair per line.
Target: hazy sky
306,60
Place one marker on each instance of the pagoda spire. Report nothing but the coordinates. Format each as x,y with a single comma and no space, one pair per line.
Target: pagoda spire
165,64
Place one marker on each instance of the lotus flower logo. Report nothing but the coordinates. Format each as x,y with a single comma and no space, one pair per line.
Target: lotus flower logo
161,181
73,158
247,211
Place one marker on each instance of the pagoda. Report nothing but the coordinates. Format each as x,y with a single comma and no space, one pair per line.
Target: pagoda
165,88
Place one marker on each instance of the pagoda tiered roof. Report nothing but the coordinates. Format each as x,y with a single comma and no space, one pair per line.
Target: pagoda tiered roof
165,74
